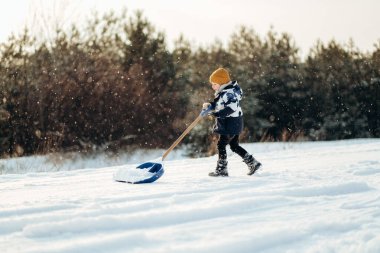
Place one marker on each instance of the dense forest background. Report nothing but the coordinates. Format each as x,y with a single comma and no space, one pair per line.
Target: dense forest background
115,84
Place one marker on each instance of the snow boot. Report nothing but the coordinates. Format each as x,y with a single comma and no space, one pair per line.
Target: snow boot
221,169
253,164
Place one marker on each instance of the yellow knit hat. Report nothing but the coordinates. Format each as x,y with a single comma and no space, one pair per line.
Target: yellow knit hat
220,76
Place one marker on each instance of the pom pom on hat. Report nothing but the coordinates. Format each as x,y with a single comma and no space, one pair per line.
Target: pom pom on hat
220,76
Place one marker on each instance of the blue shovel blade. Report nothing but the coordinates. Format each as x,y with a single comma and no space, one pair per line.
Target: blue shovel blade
145,173
156,168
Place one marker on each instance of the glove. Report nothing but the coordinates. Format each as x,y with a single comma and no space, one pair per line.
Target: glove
206,109
205,105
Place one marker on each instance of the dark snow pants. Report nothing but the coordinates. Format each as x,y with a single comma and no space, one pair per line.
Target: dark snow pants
233,140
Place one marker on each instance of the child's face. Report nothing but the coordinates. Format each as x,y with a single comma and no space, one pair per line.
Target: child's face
215,86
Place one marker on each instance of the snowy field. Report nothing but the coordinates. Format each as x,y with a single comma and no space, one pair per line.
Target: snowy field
309,197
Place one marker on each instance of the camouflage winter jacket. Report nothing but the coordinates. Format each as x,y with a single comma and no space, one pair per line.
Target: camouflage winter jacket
227,110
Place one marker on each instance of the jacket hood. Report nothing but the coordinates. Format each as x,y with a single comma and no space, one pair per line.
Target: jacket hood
231,85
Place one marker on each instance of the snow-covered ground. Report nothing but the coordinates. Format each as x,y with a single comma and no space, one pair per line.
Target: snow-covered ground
309,197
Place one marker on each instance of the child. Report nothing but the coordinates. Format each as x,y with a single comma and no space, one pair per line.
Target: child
229,121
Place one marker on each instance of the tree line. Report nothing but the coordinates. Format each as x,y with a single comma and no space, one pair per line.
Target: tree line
115,84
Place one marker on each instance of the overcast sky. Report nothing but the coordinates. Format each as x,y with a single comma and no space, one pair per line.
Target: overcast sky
201,21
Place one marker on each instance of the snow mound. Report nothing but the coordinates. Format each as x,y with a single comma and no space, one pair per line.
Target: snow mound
131,174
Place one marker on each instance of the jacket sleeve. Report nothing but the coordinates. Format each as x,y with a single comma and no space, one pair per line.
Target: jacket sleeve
223,113
229,99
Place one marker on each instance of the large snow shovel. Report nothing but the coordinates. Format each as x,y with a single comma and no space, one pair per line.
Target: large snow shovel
151,171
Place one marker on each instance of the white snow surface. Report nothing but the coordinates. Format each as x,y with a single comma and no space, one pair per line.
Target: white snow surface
309,197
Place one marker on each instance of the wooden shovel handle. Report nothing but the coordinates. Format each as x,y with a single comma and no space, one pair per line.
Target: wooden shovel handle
188,129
